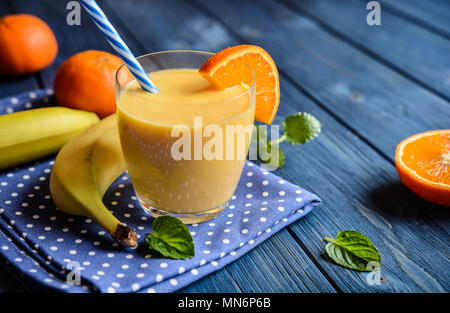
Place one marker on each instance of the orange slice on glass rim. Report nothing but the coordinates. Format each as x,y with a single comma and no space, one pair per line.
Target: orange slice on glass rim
423,164
227,68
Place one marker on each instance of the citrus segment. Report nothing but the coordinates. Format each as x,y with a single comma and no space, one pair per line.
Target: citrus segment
229,68
423,164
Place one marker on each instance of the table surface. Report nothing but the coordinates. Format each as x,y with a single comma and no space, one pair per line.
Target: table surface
370,86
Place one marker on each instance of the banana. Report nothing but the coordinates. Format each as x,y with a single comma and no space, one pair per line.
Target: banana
84,169
33,134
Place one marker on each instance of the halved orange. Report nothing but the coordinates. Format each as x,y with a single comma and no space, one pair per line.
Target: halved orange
227,69
423,164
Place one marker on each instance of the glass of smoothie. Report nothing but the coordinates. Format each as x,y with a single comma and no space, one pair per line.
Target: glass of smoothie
186,145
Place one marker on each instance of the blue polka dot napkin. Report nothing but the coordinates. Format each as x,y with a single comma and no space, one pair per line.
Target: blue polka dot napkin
41,244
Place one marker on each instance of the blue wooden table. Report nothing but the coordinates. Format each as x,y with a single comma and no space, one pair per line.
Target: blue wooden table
370,86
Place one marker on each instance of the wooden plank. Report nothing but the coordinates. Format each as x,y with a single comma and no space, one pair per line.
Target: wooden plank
433,15
379,104
164,26
10,86
398,43
216,282
267,269
286,266
360,189
278,265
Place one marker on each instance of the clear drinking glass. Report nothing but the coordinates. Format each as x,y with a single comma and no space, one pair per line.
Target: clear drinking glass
194,188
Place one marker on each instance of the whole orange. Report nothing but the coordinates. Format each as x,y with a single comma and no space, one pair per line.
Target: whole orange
86,81
27,44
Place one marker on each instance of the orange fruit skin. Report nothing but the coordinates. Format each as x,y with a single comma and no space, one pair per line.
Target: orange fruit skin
435,192
224,69
86,81
27,44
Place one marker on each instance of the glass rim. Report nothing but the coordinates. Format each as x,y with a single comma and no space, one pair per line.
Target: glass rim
248,89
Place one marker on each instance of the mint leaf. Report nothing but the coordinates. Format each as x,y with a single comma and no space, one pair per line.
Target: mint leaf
353,250
171,238
300,128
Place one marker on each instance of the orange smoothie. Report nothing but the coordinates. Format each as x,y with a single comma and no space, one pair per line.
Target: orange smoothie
151,127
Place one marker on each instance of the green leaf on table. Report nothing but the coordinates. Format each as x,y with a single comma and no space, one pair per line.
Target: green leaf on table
353,250
171,238
301,127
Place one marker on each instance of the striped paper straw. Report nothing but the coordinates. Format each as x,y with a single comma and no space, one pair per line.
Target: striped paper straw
119,45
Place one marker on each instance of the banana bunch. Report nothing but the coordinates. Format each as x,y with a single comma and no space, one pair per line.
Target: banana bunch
84,169
33,134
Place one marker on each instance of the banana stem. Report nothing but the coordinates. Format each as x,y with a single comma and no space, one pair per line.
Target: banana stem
126,236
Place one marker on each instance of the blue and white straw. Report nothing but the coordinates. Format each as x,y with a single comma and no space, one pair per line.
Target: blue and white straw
119,45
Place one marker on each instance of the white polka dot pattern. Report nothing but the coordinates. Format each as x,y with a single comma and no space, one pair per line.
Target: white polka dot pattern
41,242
